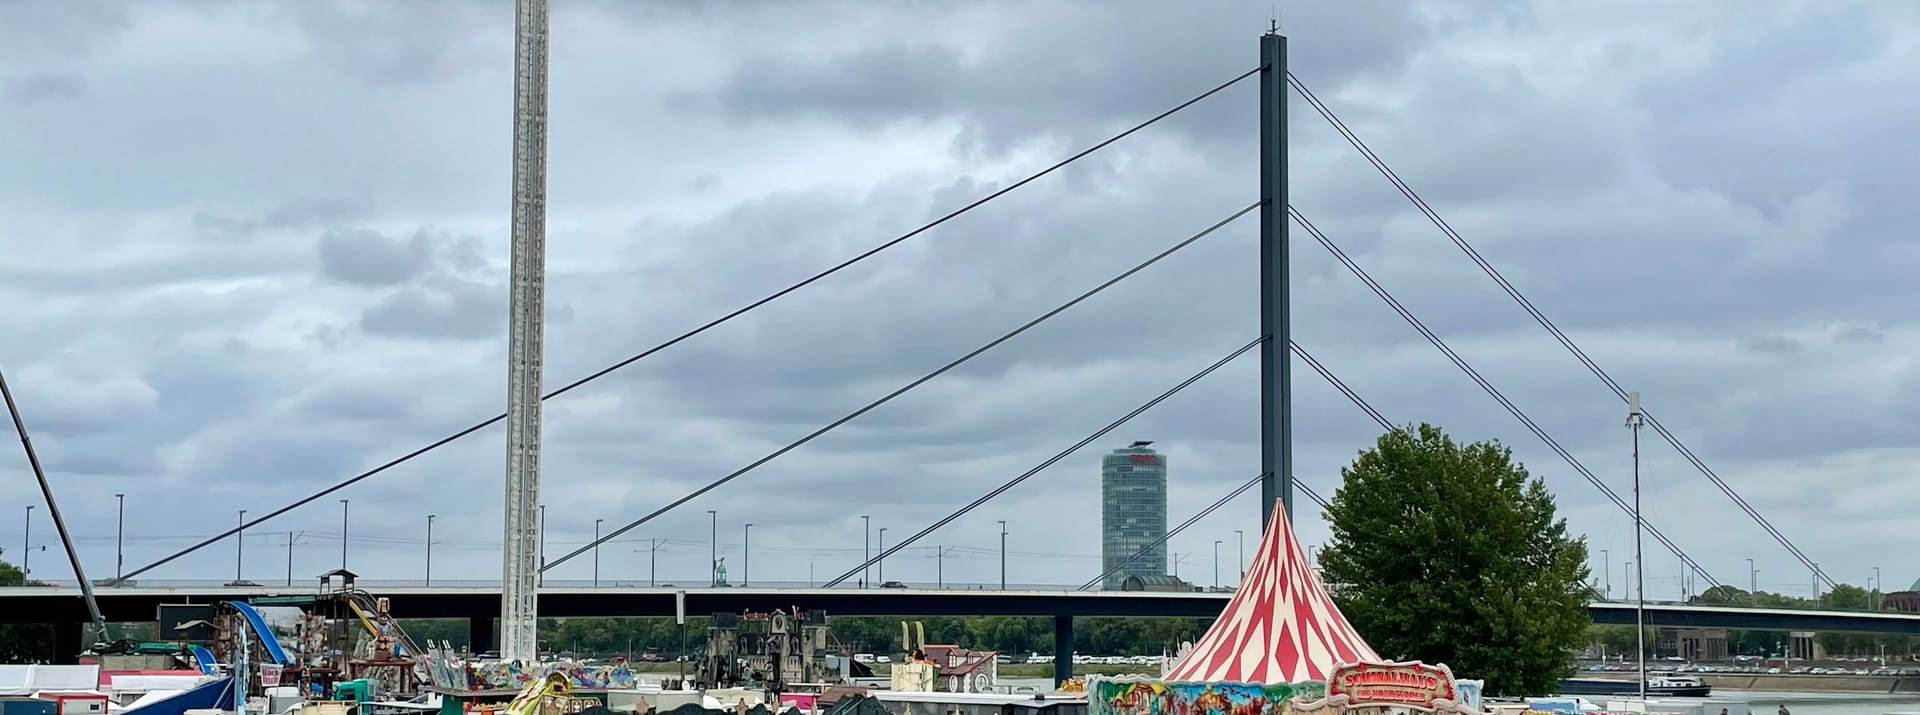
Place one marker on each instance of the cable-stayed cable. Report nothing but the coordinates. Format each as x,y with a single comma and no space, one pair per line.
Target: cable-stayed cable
1488,387
1541,318
696,331
1011,483
715,484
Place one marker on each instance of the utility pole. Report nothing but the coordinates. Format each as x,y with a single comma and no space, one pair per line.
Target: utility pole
746,553
1216,564
120,540
26,544
1003,555
866,550
520,571
596,552
293,537
1276,372
713,547
939,566
540,580
882,565
1606,571
1877,586
430,549
653,558
1753,584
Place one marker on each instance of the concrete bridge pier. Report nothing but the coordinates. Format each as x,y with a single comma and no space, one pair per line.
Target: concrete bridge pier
66,642
1062,649
480,634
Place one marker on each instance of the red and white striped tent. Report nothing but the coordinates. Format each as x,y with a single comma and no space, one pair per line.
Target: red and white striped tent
1280,627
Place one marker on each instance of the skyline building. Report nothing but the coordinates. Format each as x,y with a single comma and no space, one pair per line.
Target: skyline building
1133,514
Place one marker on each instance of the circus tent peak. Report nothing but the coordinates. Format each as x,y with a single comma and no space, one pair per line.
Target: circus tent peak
1280,627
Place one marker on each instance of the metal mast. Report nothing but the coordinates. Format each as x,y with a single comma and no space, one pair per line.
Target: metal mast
1634,419
519,595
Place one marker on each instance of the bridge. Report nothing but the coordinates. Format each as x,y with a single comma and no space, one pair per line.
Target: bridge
480,605
1272,342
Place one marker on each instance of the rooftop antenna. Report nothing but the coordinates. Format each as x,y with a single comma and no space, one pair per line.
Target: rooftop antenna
59,524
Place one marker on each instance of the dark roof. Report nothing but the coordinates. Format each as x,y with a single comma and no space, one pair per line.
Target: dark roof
340,572
1154,582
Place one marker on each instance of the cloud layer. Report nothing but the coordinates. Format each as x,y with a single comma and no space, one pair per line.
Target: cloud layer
248,252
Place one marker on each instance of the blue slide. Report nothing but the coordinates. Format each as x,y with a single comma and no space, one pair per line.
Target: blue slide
260,628
204,658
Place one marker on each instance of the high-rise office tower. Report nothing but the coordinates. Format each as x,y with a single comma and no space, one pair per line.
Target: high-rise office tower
1133,514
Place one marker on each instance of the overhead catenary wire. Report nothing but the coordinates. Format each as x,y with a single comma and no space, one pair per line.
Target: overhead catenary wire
1011,483
1540,317
715,484
716,322
1488,387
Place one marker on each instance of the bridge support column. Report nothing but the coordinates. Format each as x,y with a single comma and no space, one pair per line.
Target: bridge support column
480,634
1062,649
66,642
1276,371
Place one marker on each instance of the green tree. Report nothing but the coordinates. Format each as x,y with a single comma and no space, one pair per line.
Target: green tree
1451,553
23,642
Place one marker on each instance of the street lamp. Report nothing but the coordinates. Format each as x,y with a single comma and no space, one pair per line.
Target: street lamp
1242,559
713,548
1003,554
26,543
882,566
120,539
343,534
746,540
540,577
430,549
596,552
1606,571
1877,587
866,550
653,554
239,547
1216,564
939,566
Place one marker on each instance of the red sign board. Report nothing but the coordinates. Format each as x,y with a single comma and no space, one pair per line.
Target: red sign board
1144,458
1415,684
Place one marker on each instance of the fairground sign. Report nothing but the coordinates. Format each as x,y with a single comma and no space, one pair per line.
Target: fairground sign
1409,684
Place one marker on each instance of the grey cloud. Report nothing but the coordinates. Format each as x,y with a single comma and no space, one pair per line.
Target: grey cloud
451,310
367,258
43,87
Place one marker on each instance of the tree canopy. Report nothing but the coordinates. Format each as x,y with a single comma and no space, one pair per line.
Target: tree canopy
1452,553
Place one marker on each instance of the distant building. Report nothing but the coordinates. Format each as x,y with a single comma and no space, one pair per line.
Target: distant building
1156,583
1133,514
1907,601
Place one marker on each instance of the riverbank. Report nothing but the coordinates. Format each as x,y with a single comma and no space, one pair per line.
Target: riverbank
1786,683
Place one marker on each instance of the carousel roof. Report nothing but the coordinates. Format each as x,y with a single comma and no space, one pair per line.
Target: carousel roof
1280,627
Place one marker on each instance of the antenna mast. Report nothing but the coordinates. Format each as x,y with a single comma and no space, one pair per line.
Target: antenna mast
519,592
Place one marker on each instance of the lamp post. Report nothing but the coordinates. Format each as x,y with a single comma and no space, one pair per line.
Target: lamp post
292,538
866,549
239,547
1877,587
1606,572
882,566
26,543
343,534
1003,554
939,566
596,552
1241,534
540,578
430,549
1216,564
746,553
713,547
120,539
653,555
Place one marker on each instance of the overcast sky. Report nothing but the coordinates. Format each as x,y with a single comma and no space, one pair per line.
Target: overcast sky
250,249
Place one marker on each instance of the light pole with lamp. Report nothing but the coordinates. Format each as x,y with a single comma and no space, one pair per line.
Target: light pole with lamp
26,543
1877,588
596,552
713,547
1216,564
882,565
120,539
430,549
866,549
1003,554
1606,571
1241,534
239,548
540,577
343,534
746,553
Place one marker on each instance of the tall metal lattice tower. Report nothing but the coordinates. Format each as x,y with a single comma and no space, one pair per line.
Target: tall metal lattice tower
520,571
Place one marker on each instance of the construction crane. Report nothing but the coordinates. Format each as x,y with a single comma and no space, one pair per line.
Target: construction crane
519,594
